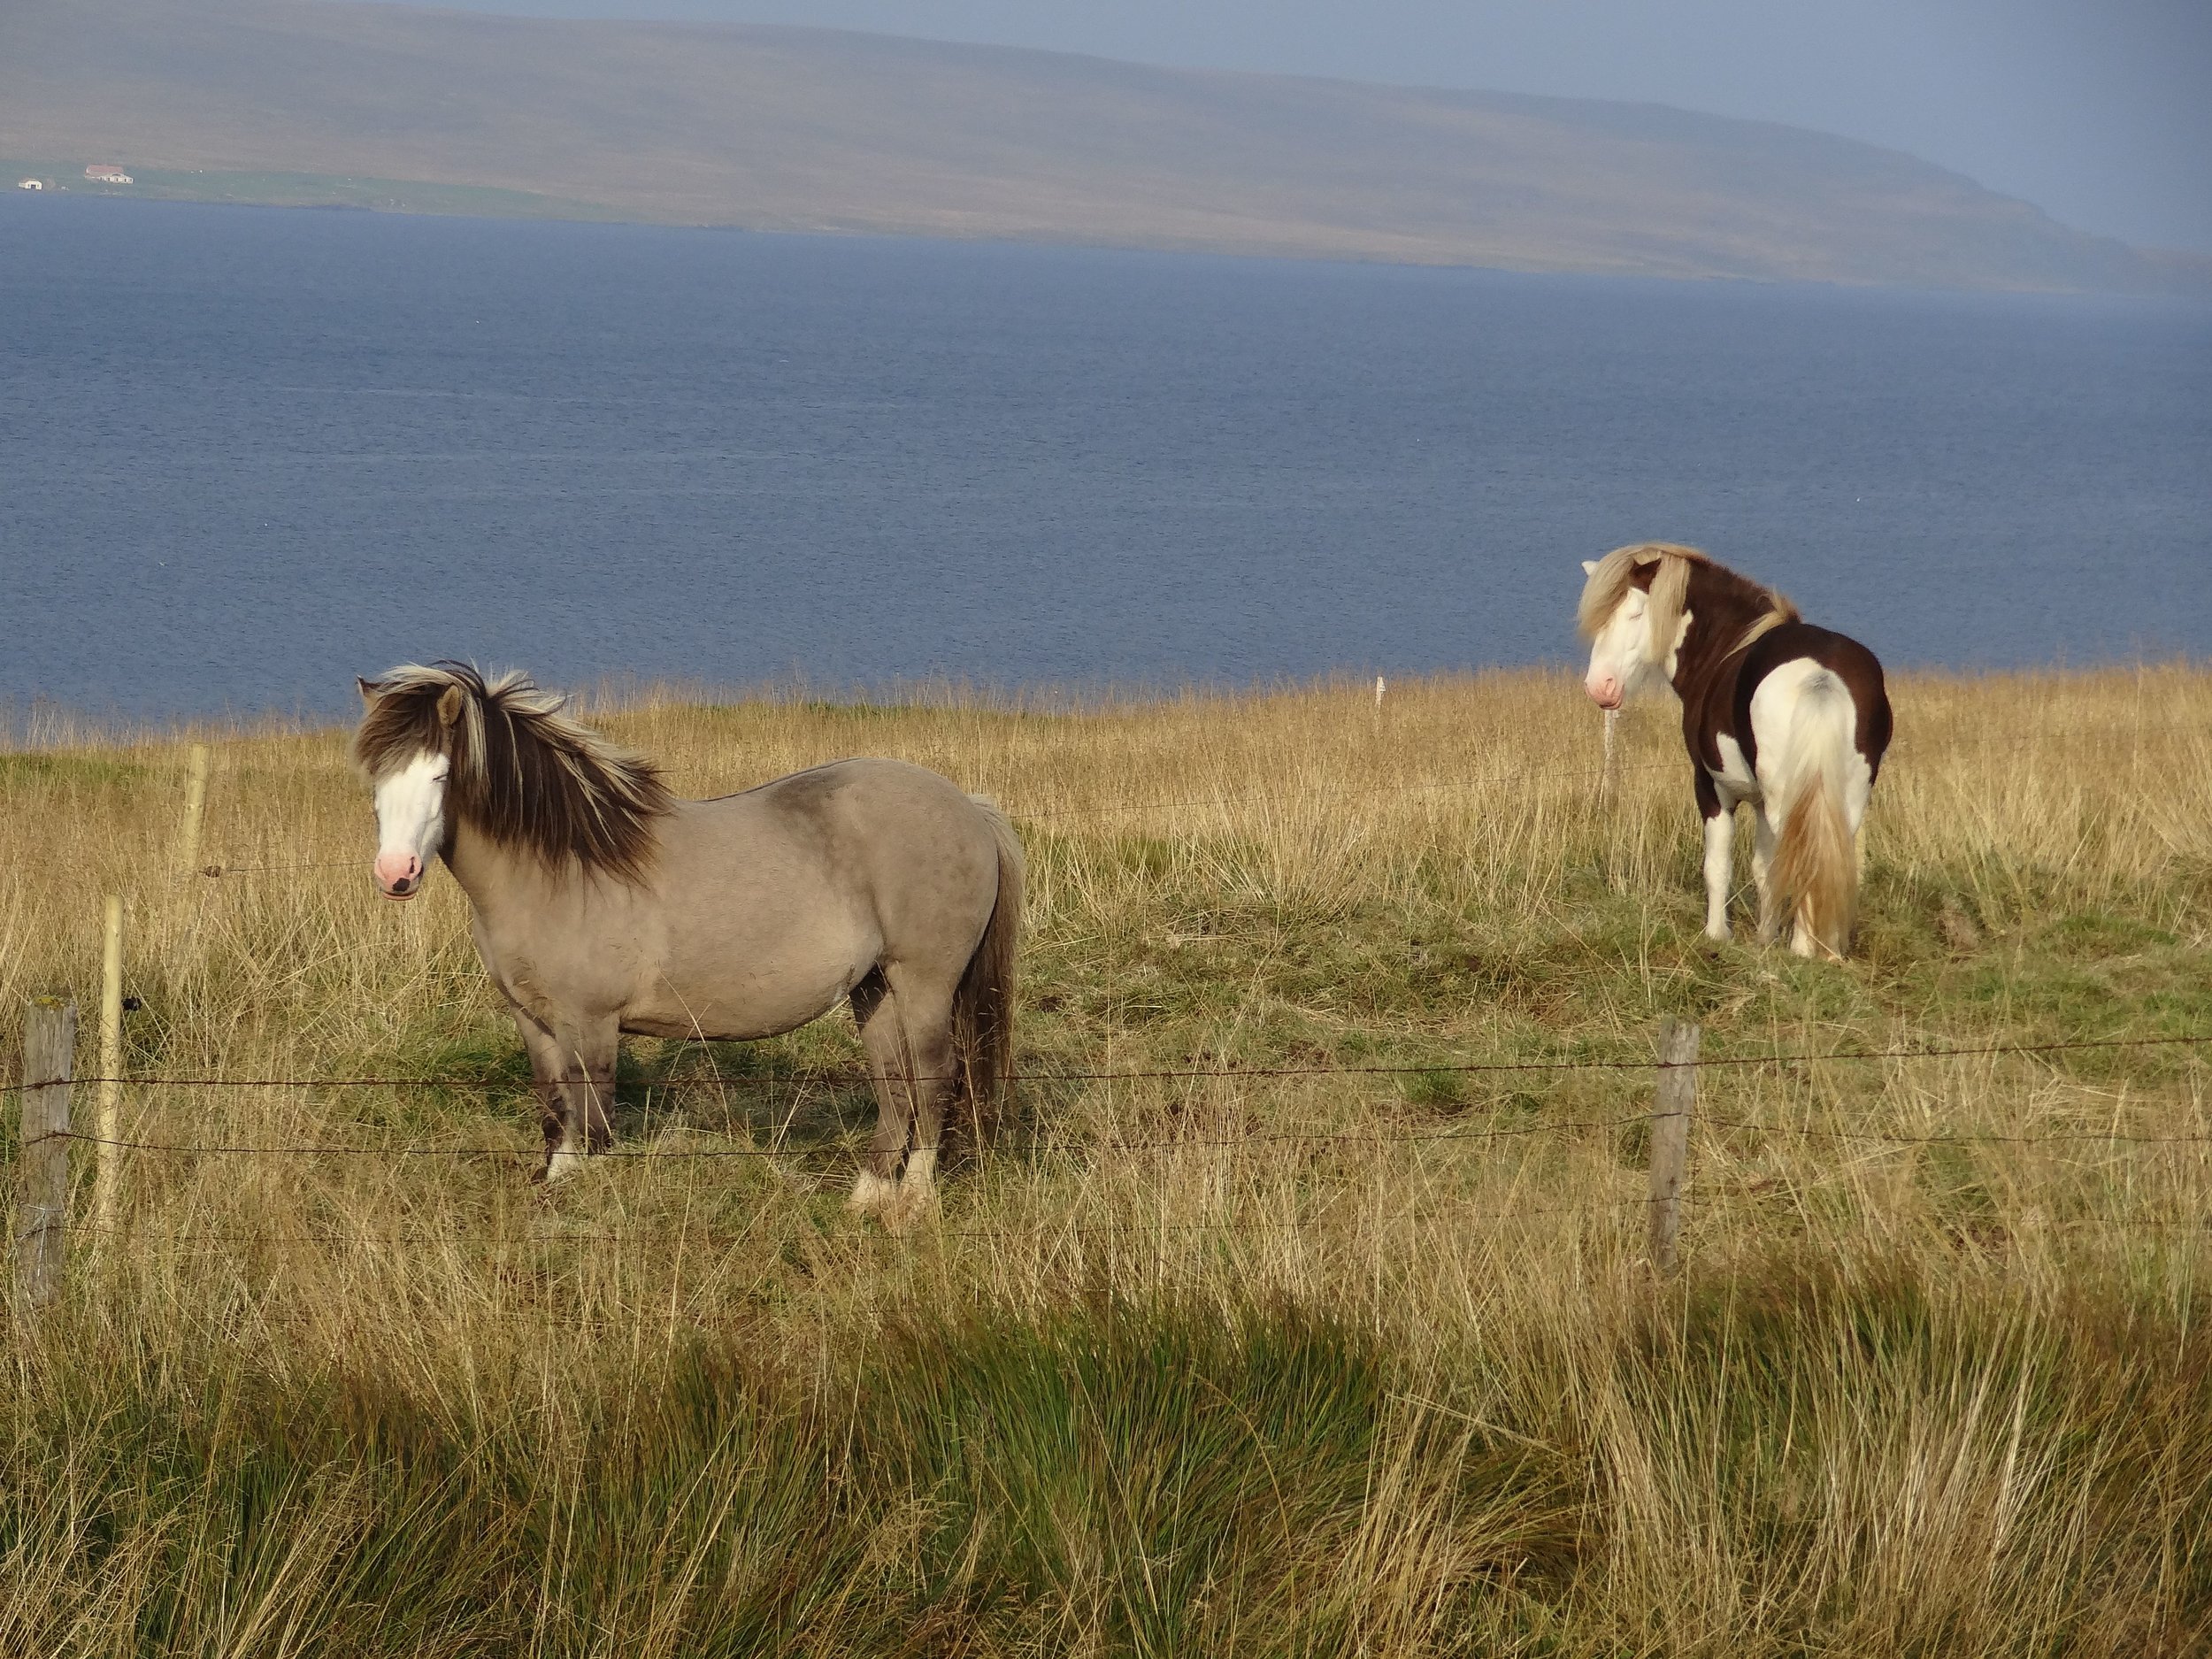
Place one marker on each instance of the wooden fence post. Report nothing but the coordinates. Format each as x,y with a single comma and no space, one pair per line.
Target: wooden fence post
1609,772
194,806
1671,1109
50,1056
108,1171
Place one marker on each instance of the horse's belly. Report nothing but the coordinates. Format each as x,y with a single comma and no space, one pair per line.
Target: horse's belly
729,1002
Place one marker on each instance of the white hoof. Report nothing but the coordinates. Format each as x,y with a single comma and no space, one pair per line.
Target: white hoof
917,1192
562,1163
872,1194
1718,931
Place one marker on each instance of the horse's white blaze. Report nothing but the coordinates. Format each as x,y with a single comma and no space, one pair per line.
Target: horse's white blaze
409,823
1621,657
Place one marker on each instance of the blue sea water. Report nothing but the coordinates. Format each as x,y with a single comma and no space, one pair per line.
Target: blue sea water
246,454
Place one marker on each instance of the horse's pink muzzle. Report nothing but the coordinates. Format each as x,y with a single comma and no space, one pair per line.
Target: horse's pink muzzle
1604,691
398,875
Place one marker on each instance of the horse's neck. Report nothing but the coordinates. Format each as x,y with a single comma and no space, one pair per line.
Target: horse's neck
1717,620
490,874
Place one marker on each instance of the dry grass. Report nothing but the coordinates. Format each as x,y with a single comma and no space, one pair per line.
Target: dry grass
1325,1364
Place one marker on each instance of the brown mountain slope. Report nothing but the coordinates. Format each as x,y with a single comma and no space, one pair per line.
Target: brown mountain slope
799,128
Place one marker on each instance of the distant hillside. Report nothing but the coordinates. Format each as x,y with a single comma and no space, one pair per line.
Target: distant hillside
802,129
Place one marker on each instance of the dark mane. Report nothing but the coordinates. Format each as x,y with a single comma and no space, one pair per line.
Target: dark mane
523,772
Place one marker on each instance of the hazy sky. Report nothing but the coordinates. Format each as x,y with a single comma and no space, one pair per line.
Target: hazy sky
2095,110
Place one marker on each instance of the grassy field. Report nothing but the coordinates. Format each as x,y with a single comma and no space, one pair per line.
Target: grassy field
1330,1363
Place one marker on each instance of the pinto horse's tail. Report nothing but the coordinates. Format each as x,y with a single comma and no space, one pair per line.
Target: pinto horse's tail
1814,887
983,1007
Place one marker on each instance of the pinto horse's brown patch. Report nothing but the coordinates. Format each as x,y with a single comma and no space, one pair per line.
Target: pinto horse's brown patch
523,772
1736,608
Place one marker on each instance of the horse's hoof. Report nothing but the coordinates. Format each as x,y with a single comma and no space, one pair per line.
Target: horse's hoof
872,1194
916,1206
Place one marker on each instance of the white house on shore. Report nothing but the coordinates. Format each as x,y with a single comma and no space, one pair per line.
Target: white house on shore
101,173
31,184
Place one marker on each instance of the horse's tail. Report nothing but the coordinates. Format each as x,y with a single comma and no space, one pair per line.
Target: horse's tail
983,1007
1814,882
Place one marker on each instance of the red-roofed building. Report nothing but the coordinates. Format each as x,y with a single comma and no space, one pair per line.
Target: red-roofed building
101,173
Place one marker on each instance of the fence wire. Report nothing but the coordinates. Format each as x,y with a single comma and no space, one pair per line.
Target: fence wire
1428,1067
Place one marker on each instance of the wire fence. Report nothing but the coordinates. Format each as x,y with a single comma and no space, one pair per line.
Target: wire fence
1050,1233
855,1079
1115,1143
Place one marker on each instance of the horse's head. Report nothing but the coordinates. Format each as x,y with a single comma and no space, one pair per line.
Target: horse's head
405,745
1632,612
446,749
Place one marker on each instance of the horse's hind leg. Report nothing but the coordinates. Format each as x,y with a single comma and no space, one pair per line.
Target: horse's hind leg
1762,839
925,1017
877,1015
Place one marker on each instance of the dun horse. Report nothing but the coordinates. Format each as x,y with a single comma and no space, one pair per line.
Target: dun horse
1788,716
604,905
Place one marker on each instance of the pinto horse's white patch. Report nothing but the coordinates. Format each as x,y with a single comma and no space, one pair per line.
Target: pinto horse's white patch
410,824
1735,779
1795,741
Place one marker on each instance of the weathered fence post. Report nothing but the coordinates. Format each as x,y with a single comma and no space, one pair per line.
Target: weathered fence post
49,1055
1609,772
1671,1109
194,806
108,1171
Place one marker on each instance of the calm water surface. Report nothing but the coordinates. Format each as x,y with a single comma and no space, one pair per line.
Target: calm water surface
247,454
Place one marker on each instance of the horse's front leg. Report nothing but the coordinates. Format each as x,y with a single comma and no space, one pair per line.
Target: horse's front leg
574,1074
1720,851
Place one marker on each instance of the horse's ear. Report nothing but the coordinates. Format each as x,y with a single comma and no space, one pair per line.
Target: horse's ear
450,705
370,690
1589,567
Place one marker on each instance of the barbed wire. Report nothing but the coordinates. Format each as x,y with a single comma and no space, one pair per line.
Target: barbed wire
854,1079
1042,1230
1180,1142
684,1154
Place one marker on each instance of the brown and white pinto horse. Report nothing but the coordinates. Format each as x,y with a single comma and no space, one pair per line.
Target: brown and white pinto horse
1791,717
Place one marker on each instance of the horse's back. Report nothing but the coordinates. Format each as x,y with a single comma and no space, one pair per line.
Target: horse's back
903,841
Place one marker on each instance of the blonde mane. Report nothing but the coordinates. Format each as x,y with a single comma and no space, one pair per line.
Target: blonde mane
522,772
1616,574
